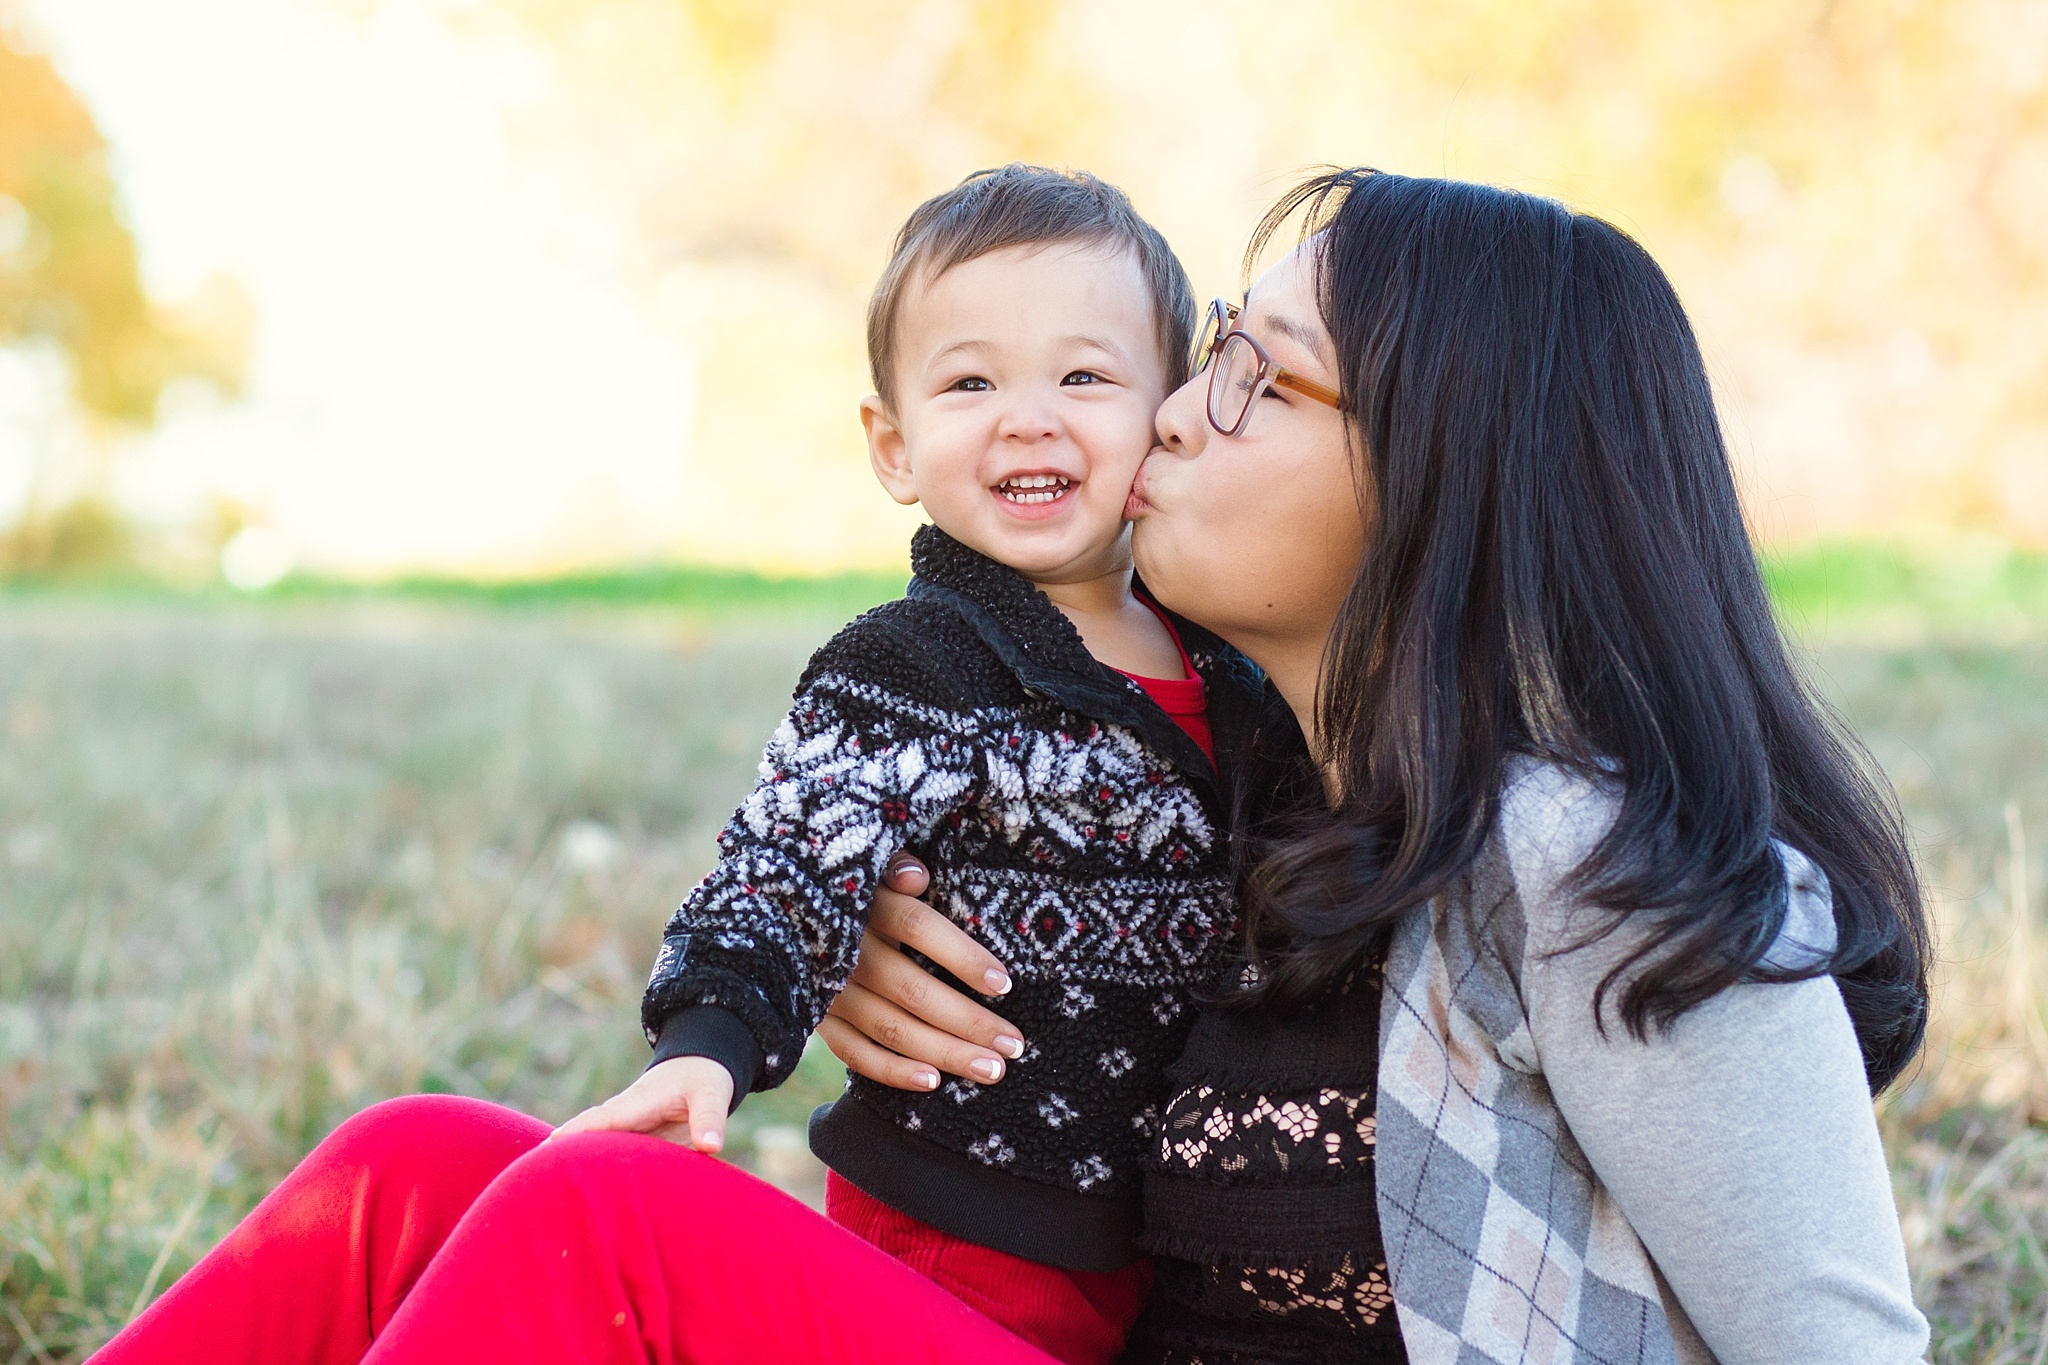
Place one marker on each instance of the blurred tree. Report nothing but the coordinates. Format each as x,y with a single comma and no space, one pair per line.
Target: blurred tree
69,278
796,129
766,153
85,537
1849,192
68,270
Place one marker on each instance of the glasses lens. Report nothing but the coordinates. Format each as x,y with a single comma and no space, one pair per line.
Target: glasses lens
1234,384
1205,340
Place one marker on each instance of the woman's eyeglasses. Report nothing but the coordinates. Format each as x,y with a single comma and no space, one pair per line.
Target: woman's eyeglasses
1243,372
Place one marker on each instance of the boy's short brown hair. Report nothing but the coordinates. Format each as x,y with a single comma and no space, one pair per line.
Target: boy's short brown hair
1023,205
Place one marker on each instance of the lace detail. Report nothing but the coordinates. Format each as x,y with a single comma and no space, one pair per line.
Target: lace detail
1233,1138
1336,1309
1355,1299
1333,1306
1259,1204
1344,1296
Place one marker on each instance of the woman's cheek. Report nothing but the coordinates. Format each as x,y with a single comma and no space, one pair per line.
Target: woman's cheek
1210,544
1279,532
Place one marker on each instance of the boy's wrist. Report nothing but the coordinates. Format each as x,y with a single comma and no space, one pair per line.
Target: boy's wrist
714,1032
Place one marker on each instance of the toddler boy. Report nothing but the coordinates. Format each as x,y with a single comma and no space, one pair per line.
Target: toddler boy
1032,729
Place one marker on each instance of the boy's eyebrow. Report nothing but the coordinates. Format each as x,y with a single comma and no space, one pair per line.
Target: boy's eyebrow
947,351
1099,343
977,344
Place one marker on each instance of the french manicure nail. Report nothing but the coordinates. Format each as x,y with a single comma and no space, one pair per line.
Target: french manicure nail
998,981
988,1068
1013,1048
928,1079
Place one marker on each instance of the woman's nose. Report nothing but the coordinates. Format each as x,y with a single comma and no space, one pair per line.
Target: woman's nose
1180,424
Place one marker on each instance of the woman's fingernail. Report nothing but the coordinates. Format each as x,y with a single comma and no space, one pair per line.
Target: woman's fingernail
988,1068
928,1079
713,1141
1013,1048
998,981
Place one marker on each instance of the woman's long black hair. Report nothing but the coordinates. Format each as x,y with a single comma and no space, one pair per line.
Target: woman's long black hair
1556,563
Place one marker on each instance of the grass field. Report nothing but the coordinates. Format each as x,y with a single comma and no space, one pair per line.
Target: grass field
261,865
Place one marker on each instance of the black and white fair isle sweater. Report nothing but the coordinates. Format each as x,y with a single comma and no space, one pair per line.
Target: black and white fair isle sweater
1069,824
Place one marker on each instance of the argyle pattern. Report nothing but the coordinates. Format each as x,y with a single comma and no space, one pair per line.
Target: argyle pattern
1502,1245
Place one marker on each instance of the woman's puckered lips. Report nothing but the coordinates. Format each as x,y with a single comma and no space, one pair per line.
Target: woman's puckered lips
1136,503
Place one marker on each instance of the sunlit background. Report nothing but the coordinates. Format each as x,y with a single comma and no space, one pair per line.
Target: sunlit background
512,286
428,454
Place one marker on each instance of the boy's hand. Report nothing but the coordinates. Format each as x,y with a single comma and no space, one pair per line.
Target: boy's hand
685,1100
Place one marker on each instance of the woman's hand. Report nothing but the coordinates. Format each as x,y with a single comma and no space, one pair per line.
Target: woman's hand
895,1022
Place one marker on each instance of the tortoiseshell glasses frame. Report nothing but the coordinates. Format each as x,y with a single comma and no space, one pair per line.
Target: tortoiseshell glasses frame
1243,371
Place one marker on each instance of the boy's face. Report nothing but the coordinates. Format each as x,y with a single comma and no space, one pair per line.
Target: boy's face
1026,383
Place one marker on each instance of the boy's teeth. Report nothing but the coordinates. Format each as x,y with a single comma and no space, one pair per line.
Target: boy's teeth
1032,488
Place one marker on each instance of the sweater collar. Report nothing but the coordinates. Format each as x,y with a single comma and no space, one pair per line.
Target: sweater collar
1041,629
1040,645
1026,615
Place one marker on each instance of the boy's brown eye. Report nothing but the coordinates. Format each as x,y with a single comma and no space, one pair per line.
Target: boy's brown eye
1082,377
971,384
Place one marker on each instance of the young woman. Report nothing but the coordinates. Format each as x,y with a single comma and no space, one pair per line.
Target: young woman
1577,938
1563,951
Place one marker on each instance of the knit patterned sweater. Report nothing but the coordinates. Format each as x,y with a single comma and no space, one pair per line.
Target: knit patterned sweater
1069,824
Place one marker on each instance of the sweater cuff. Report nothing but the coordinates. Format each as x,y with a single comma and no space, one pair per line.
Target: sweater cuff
715,1032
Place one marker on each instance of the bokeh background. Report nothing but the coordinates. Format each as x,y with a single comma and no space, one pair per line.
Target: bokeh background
428,452
514,285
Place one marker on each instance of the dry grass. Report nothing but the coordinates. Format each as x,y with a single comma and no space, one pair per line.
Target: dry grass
1963,731
263,870
258,869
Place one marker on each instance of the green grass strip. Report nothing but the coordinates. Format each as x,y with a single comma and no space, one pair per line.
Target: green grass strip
1857,586
696,590
691,588
1930,587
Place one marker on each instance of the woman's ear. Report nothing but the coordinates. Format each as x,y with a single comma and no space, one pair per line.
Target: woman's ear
888,452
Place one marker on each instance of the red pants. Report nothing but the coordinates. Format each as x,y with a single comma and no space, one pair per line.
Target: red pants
1078,1316
431,1229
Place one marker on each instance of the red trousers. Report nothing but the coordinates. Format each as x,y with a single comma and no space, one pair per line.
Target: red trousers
439,1229
1078,1316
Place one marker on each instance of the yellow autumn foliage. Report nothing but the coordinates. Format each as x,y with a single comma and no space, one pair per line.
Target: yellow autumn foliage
68,269
1849,193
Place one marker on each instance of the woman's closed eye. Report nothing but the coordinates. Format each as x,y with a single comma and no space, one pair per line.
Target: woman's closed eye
1244,385
1273,390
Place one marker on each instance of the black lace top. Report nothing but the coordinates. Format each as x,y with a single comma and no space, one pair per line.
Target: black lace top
1259,1202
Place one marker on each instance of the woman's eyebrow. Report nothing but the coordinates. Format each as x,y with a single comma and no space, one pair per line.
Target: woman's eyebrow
1308,338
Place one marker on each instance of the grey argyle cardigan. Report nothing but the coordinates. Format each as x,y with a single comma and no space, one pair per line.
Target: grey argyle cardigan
1743,1145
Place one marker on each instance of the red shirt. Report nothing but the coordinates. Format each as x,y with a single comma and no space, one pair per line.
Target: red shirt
1183,698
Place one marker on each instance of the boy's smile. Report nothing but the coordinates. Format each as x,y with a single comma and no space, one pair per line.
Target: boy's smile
1026,381
1034,490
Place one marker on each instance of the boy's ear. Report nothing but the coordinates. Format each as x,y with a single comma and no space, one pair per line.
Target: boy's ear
888,452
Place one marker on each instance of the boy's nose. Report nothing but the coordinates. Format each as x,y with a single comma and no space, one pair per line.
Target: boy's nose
1028,421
